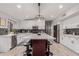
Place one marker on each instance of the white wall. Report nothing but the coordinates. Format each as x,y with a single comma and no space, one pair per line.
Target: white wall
67,39
52,29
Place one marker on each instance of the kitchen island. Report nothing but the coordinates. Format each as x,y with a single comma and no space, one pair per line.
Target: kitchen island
40,43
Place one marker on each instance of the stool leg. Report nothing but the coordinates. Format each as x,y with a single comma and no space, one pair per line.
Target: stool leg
27,49
49,50
48,46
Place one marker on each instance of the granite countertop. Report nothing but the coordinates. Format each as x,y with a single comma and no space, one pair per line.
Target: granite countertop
69,35
8,35
43,36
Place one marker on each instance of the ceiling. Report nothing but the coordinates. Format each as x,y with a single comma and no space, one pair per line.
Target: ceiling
30,10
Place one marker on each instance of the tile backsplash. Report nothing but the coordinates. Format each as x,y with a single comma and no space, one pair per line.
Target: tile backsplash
72,31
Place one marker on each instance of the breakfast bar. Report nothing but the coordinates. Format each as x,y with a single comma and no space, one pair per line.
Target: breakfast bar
40,43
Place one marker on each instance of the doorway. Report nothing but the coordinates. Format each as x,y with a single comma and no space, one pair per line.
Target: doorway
48,27
57,33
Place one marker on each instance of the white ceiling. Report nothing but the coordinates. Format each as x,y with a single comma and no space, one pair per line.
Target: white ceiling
30,10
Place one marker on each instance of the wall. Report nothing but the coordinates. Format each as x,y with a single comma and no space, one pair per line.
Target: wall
52,29
52,26
70,41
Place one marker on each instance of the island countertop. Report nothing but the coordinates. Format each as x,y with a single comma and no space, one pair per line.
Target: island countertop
42,36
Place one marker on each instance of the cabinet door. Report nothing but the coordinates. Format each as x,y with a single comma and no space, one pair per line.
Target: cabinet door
38,47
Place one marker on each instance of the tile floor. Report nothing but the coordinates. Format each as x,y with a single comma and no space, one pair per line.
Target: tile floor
57,49
60,50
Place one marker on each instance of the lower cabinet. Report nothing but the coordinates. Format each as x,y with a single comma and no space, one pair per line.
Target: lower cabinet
72,43
7,42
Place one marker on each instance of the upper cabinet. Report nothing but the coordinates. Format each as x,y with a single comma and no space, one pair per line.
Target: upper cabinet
3,23
72,22
28,24
3,26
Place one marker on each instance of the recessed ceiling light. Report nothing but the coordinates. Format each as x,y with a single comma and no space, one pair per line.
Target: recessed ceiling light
60,6
18,6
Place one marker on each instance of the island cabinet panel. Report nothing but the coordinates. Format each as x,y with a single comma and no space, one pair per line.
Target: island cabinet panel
39,47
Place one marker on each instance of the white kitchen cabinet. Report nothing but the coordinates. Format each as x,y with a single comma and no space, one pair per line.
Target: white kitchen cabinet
5,43
30,23
4,23
71,42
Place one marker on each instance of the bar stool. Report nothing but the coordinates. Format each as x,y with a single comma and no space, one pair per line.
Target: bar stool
28,50
48,53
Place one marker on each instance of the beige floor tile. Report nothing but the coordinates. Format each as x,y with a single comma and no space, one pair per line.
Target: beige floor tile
60,50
